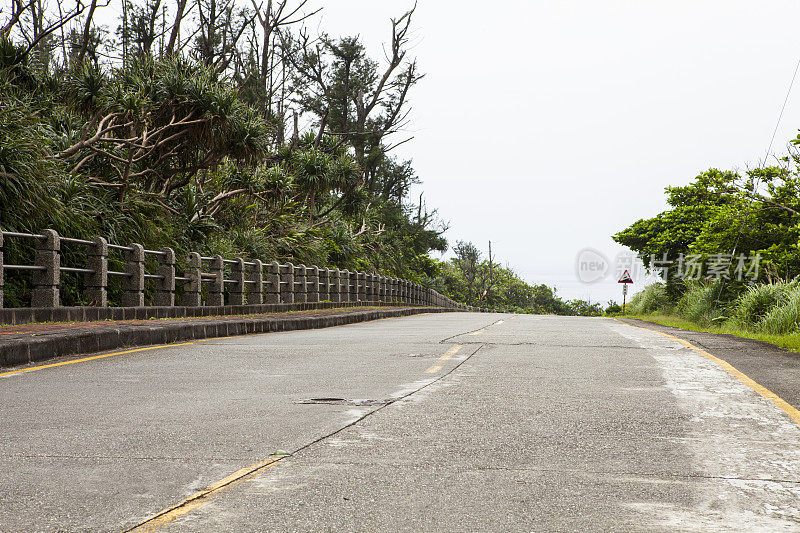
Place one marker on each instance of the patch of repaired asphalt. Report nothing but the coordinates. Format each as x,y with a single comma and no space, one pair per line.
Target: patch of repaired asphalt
769,365
744,449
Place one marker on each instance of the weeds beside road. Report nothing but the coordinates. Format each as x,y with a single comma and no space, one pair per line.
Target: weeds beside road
790,341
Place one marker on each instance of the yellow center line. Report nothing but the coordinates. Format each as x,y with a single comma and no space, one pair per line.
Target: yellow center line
197,499
450,353
476,332
764,392
92,358
445,357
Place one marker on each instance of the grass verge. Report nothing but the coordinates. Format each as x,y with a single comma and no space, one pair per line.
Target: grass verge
789,341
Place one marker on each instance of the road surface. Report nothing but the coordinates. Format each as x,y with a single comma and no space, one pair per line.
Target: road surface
450,422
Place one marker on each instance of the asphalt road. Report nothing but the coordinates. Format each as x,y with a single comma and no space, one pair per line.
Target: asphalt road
457,422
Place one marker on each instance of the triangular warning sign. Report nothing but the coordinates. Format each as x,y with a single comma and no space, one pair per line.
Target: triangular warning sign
626,278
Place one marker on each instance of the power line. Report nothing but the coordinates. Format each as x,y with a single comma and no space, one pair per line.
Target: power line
758,178
780,115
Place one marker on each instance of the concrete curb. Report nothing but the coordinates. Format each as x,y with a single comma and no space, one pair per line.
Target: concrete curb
100,339
31,315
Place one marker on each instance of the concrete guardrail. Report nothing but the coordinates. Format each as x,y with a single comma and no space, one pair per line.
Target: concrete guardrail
215,282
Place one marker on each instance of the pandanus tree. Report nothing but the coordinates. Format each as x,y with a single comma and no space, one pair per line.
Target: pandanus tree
157,125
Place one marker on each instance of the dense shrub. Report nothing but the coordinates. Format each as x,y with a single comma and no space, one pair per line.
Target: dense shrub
700,303
758,301
784,316
650,300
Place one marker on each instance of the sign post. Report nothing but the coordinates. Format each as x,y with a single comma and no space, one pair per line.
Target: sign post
625,279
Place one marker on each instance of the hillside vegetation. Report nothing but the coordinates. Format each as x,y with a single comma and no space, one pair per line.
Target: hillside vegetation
727,250
220,127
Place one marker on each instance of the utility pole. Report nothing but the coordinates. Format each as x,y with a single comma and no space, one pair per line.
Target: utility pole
490,274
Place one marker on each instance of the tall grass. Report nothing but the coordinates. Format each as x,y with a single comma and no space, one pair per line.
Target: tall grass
699,303
752,307
769,309
650,300
783,318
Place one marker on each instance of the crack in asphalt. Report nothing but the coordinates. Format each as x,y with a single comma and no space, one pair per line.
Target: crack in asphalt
448,339
272,460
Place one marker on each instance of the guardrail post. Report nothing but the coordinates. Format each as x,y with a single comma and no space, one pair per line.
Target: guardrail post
344,285
361,290
335,293
313,284
237,290
192,295
165,293
287,285
97,282
300,284
2,280
273,295
46,281
255,296
134,284
373,287
216,292
363,286
324,284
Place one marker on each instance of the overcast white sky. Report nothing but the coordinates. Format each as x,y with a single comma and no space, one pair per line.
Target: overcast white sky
547,126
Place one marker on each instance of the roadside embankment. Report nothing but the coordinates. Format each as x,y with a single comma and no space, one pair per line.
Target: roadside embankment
788,341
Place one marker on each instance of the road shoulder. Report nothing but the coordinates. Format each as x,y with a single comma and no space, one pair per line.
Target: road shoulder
773,367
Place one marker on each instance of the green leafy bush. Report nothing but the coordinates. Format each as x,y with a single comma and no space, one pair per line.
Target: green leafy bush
650,300
784,316
700,303
758,301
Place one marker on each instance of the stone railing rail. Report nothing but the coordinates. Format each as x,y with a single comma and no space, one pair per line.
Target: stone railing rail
206,281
